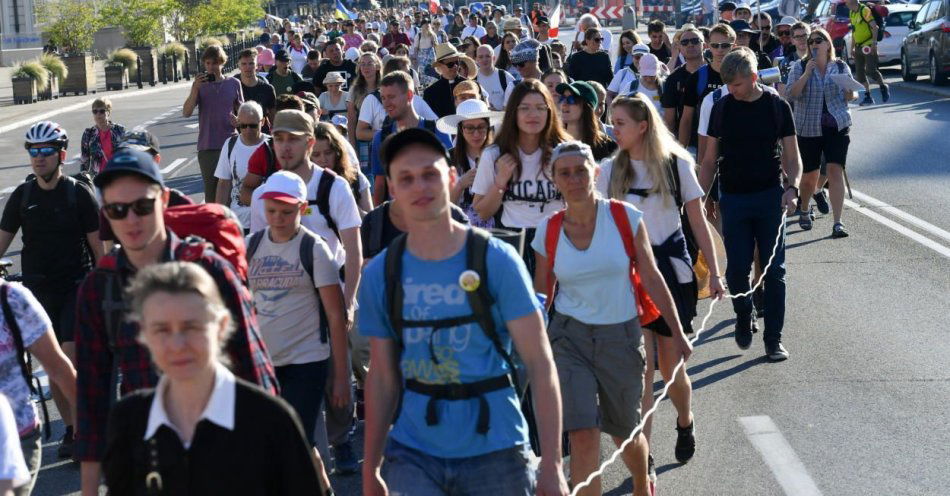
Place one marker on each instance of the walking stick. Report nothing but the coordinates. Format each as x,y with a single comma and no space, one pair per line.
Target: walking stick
848,184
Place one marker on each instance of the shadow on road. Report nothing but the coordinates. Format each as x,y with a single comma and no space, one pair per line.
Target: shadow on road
189,185
723,374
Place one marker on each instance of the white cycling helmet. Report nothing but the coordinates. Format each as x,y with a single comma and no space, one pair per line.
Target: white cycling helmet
47,132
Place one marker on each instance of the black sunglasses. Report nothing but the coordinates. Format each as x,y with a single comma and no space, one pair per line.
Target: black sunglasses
784,33
718,46
248,126
520,64
141,207
99,111
598,40
451,65
690,41
816,41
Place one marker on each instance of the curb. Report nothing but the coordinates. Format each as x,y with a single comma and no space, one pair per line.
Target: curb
926,88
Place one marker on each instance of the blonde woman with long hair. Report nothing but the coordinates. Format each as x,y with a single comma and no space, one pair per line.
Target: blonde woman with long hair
369,71
642,174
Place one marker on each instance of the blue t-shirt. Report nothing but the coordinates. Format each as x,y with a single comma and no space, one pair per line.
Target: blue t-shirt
377,168
464,352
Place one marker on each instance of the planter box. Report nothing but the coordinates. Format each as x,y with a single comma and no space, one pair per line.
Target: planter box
82,75
52,89
24,90
117,77
149,64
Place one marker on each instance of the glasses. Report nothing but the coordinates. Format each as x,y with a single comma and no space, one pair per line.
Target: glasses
785,33
541,109
45,151
816,41
99,111
690,41
141,207
451,65
597,40
475,129
248,126
800,36
568,99
720,46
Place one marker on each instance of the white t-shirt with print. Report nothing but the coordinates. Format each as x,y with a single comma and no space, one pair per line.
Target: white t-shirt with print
532,184
491,84
342,208
621,82
660,215
286,299
653,96
12,465
373,113
33,323
477,31
233,168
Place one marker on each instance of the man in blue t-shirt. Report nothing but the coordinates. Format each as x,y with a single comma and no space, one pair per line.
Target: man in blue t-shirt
396,91
479,440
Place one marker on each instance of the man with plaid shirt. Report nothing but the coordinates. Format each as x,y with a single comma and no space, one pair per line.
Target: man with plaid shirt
134,200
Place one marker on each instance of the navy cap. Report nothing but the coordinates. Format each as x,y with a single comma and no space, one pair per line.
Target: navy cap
740,26
127,161
727,6
282,55
411,136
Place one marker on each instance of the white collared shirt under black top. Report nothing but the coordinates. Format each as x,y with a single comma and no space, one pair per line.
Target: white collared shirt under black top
246,442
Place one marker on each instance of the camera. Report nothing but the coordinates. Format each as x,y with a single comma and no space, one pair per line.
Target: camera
209,77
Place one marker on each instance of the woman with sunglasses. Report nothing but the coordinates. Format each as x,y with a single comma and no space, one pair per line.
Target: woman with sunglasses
591,63
822,121
628,39
641,173
513,180
367,81
351,37
99,141
577,103
595,331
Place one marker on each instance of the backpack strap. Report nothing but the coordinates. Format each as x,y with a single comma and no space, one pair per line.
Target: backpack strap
635,84
28,186
323,199
307,242
503,81
394,289
646,309
673,173
232,142
23,358
254,242
376,230
702,77
271,157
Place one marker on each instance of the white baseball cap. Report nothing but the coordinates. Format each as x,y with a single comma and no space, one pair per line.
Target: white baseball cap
285,187
640,48
649,65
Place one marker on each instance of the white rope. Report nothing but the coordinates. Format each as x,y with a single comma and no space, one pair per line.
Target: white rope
680,364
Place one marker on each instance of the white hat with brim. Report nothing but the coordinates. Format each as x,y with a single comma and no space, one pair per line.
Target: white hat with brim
466,111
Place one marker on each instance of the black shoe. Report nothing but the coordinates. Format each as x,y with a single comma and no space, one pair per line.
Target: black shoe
65,449
868,100
744,330
651,468
344,460
776,352
758,302
821,201
685,442
838,231
885,93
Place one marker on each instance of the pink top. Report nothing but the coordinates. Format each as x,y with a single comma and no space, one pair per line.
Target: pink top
352,40
105,141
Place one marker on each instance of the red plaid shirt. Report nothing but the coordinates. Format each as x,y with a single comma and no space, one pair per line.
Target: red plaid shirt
96,358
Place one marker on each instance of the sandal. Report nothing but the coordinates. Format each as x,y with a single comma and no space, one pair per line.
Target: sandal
804,221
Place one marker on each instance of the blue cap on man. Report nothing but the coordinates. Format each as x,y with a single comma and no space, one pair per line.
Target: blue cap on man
129,161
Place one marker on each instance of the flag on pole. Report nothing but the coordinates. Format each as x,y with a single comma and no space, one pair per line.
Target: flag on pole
554,20
342,12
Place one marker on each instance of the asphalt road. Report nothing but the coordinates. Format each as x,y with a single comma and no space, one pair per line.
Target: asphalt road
860,408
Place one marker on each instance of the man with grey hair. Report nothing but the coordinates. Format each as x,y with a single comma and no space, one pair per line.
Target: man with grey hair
232,163
586,22
752,143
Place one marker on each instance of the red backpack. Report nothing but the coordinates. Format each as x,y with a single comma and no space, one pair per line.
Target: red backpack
646,309
214,223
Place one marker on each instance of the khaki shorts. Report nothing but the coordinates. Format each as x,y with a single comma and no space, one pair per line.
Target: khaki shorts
599,365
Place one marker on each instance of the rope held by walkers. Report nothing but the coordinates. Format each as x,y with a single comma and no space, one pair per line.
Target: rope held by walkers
613,457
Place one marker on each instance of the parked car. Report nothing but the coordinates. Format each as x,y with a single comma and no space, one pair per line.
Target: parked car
895,29
926,48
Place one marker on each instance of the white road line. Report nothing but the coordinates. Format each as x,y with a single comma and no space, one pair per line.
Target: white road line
172,166
7,191
929,243
926,226
192,126
779,456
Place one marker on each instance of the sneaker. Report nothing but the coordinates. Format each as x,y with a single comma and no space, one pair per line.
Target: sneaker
776,353
685,442
651,469
838,231
805,220
821,201
744,331
867,99
65,449
885,93
344,460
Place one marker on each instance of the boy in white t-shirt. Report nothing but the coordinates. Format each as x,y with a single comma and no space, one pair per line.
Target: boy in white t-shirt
234,158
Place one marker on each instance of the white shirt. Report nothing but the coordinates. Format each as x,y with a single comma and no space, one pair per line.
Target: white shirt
497,97
233,168
531,184
343,209
373,113
298,58
219,410
705,108
653,96
621,82
12,465
660,215
477,32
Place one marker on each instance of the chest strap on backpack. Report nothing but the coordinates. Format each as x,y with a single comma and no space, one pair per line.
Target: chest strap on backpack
455,392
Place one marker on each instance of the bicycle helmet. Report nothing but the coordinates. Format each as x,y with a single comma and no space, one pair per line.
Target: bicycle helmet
46,132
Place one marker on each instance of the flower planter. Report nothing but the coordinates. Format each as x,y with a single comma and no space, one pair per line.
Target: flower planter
149,64
52,89
117,77
24,90
82,75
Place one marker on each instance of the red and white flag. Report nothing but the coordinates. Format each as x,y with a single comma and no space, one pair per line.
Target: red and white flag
554,20
434,6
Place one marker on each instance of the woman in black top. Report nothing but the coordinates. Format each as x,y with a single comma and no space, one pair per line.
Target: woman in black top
577,103
201,430
591,63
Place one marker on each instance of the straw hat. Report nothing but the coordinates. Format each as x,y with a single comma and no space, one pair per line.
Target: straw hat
469,66
334,78
468,110
444,51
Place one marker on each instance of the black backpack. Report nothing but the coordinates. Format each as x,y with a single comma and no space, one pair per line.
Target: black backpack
268,145
322,201
22,356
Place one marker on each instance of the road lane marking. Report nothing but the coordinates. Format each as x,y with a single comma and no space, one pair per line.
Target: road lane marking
779,456
913,235
192,126
172,166
926,226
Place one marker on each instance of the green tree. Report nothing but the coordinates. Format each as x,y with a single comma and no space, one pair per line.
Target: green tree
213,17
69,24
142,20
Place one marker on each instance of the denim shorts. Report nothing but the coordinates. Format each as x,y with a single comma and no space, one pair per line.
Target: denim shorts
500,473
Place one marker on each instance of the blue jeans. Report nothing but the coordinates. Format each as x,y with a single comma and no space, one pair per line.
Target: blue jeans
302,385
752,220
499,473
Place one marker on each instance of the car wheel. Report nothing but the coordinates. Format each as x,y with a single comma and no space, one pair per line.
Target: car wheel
906,75
937,78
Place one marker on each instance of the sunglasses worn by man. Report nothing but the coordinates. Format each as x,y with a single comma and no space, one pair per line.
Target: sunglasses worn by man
141,207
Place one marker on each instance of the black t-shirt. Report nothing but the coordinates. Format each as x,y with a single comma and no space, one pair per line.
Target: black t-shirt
55,252
439,96
663,53
673,94
262,93
583,66
750,134
327,67
389,231
694,98
603,149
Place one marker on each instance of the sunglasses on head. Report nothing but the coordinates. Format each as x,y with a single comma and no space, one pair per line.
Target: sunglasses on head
690,41
719,46
141,207
568,99
99,111
45,151
816,41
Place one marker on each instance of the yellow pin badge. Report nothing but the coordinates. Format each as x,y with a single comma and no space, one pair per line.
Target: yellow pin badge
469,280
